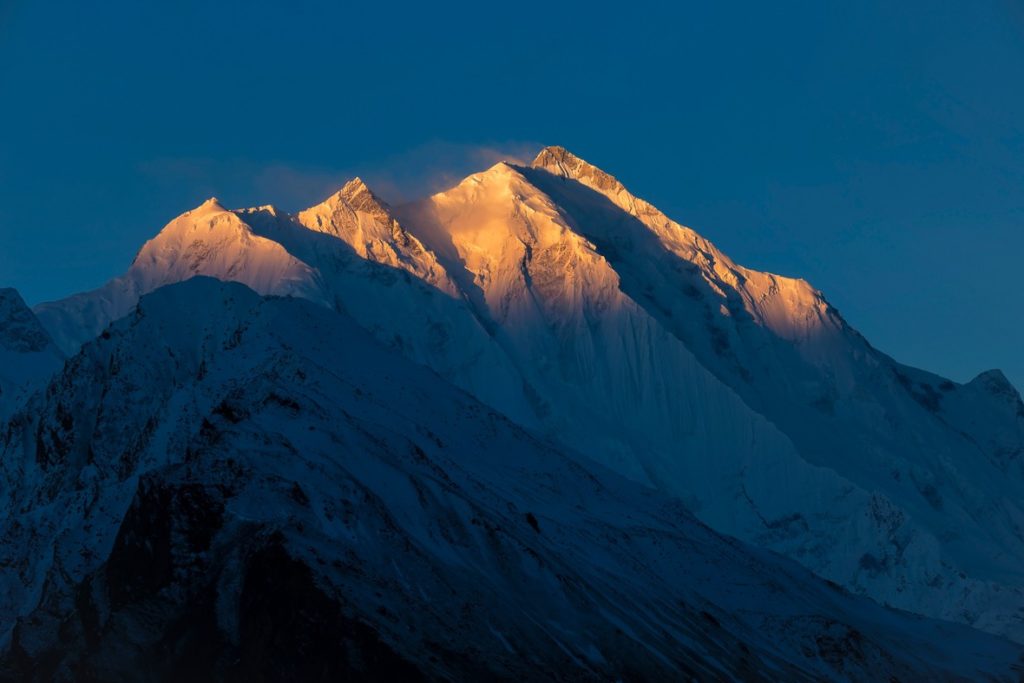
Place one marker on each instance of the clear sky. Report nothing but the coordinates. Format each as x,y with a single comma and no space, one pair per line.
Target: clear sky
874,148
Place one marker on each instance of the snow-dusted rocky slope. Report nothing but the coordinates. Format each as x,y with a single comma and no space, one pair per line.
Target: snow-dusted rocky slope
27,354
554,295
222,485
944,462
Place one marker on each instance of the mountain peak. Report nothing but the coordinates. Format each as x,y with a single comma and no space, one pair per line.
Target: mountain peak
554,153
358,196
211,205
20,331
361,219
500,169
562,162
356,184
9,294
996,383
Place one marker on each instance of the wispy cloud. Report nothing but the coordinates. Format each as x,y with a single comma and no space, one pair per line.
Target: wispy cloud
438,165
400,177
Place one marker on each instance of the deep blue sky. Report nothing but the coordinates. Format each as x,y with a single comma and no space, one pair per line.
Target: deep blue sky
873,148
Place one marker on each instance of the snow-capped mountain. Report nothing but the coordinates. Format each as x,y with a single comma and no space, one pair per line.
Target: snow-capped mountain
27,354
944,462
207,240
227,486
581,312
950,457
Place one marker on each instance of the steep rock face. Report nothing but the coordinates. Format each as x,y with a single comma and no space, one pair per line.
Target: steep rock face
27,354
359,218
289,499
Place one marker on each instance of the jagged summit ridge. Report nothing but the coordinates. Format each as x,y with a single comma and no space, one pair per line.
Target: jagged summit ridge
561,161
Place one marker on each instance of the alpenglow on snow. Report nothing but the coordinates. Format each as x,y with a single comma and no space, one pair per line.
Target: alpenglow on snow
580,312
557,297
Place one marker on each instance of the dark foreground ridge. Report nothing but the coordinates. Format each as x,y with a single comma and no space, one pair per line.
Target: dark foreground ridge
227,487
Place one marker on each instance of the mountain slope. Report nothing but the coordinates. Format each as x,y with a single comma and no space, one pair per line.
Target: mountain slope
27,354
246,487
949,455
598,366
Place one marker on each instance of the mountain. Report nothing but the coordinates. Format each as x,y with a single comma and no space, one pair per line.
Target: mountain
232,487
363,221
27,354
206,240
582,313
951,457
